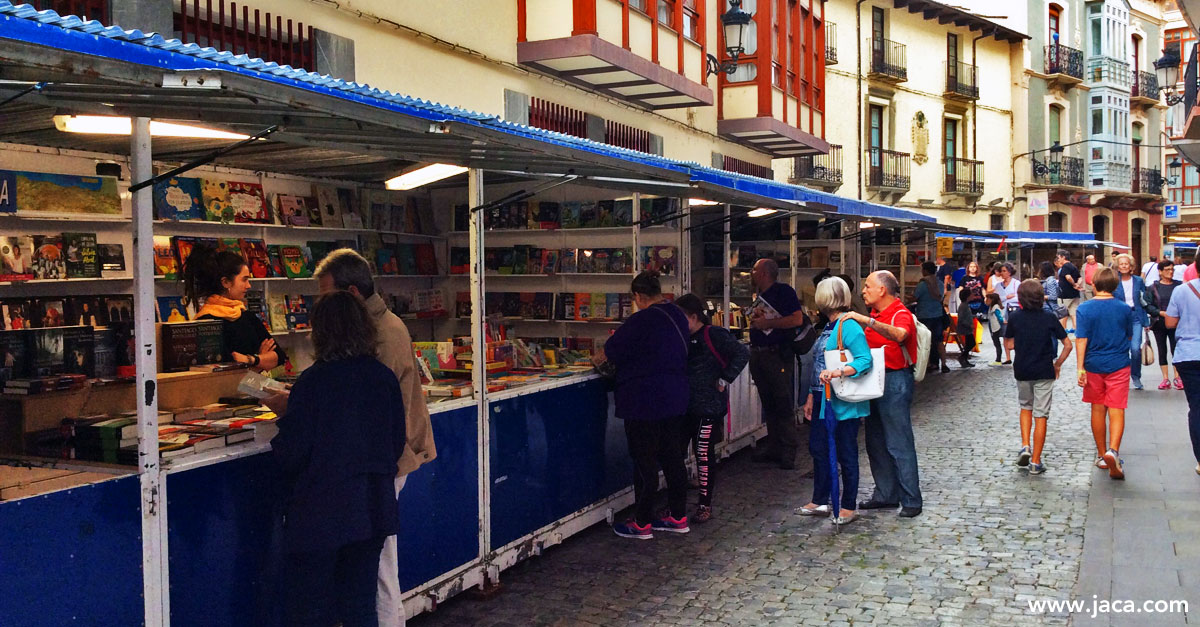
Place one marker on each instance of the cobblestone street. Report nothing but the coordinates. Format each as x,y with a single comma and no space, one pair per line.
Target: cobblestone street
991,537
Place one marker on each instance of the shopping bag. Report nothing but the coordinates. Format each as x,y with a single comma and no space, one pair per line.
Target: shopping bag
861,388
1147,349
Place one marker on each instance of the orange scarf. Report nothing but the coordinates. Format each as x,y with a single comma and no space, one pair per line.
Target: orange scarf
220,307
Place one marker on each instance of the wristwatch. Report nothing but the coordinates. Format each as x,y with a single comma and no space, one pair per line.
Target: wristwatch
871,322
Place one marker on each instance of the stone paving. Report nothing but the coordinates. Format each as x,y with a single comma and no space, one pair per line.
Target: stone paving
990,539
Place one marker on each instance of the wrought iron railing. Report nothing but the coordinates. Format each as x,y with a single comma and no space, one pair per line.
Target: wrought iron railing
1058,170
1062,59
1146,86
1109,71
888,169
830,43
252,33
889,58
1191,82
86,9
821,169
961,80
1148,181
963,176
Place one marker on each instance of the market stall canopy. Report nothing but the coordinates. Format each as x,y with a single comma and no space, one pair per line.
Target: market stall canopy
1034,237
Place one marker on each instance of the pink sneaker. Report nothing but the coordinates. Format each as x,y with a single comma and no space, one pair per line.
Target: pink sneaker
1165,385
1178,383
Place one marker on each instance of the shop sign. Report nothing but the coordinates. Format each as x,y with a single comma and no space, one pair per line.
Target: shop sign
1171,213
945,247
1183,229
8,192
1039,203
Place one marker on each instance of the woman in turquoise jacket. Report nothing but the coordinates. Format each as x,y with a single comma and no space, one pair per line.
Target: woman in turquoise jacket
837,421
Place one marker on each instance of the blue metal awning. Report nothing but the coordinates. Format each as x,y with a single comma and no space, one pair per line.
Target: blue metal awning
1035,237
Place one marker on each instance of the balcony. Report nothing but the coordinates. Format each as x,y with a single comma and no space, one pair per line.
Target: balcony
830,43
888,171
1148,181
1059,171
823,171
888,61
86,9
1145,90
1109,72
963,177
961,82
1064,66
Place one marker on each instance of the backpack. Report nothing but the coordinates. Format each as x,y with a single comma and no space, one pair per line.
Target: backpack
924,341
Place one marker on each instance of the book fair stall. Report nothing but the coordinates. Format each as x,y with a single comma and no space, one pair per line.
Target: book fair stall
135,461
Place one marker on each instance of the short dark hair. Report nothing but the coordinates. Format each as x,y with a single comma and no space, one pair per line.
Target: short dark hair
693,306
1045,270
647,284
203,270
1062,253
1008,266
1165,263
928,268
1030,294
347,268
1106,280
341,327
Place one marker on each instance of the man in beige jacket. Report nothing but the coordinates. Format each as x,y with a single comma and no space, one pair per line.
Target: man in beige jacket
345,269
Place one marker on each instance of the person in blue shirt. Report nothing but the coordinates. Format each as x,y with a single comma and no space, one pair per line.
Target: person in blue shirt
1183,315
833,299
774,319
1105,325
930,311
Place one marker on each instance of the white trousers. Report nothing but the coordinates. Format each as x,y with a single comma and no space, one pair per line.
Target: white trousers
388,604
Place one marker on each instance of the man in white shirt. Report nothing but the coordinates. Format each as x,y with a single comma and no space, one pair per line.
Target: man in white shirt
1150,271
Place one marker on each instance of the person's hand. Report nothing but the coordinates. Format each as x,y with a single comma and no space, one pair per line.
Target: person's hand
758,322
267,346
829,375
849,315
241,359
599,357
720,385
808,407
1082,378
278,403
1057,370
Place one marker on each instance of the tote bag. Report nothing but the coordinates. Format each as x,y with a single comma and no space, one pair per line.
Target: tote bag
852,390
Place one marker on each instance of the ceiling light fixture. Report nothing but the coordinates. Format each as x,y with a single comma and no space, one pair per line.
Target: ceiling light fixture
423,176
761,211
109,125
700,202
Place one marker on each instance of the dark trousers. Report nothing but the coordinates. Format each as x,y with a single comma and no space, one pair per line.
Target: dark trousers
1189,373
772,371
326,588
998,340
706,433
654,445
845,436
891,448
937,333
1164,337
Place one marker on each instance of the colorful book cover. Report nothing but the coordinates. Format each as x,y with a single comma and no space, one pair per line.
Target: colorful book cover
661,259
568,214
604,213
85,311
583,306
275,268
120,309
184,244
385,260
308,259
626,306
585,261
8,192
171,309
81,255
613,304
620,261
16,258
111,256
249,203
426,259
549,261
622,213
46,353
599,305
520,259
40,192
460,260
255,253
52,311
293,210
214,194
49,262
231,244
294,263
600,260
506,260
297,312
548,215
567,261
16,314
178,198
277,313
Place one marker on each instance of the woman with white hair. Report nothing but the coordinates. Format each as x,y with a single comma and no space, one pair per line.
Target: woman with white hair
1131,290
842,417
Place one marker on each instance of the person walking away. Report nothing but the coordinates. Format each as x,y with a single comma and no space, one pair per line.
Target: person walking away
715,359
1150,273
932,313
337,449
833,299
344,269
1032,332
965,332
996,319
889,435
1102,357
1069,283
1051,289
649,353
1089,273
775,315
1159,297
1183,315
1132,292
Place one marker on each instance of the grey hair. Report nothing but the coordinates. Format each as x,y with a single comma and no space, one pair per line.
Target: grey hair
1064,254
832,295
889,282
348,268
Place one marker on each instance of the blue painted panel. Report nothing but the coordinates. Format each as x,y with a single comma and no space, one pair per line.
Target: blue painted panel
73,557
553,453
439,506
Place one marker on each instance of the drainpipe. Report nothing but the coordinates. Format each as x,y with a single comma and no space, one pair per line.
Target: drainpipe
975,103
858,97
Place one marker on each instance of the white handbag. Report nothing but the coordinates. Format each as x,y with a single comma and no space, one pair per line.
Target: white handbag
866,387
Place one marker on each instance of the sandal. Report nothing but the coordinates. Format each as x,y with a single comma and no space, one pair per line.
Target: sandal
703,514
1101,464
844,520
819,510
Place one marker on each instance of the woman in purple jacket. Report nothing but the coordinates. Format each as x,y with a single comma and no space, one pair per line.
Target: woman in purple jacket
649,355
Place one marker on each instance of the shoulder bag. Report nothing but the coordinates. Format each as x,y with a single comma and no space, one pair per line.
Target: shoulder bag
862,388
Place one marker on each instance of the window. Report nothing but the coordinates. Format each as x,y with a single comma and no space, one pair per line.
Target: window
951,138
1097,32
997,222
1100,228
1055,223
1055,17
639,5
1055,125
1097,122
691,20
875,140
666,13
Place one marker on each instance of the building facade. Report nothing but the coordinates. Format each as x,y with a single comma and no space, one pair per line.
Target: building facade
631,73
1094,150
934,121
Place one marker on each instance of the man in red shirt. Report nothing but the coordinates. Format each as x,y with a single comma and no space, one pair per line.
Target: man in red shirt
890,445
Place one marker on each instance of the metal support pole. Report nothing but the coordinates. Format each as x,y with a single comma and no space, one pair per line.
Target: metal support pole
793,263
727,278
685,249
842,254
903,262
479,351
155,575
637,230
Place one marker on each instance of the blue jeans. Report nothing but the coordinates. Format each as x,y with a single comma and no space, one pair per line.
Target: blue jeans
845,436
1135,350
890,446
1189,373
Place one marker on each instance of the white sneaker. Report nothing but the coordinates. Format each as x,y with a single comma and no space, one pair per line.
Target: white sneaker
1024,456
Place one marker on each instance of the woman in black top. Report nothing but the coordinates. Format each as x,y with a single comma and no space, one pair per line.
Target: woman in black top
221,279
1159,295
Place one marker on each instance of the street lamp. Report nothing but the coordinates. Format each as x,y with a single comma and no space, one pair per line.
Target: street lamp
1173,169
1166,69
1051,166
733,23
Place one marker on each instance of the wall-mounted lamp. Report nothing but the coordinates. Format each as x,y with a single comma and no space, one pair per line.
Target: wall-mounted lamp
733,24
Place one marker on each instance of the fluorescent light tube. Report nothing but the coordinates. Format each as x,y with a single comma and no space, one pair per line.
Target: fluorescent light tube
761,211
423,176
109,125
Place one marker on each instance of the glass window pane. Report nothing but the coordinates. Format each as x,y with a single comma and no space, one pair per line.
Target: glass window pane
744,72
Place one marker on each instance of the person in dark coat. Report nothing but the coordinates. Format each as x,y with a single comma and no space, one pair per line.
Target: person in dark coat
336,452
715,359
649,355
215,282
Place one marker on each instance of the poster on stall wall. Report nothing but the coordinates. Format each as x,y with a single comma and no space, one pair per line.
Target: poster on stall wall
945,247
1039,203
38,192
8,192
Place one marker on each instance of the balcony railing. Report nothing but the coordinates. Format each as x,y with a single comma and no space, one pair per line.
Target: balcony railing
963,176
1148,181
251,33
820,170
830,43
888,170
1191,81
86,9
1109,71
1059,170
961,81
558,118
1146,86
1062,59
888,59
1110,175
